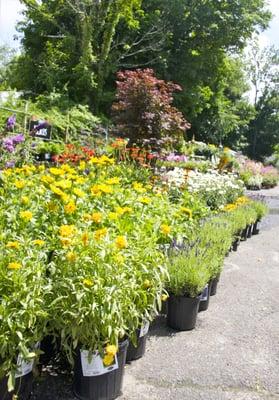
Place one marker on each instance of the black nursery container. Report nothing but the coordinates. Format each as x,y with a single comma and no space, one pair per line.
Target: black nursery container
103,387
250,231
23,388
244,233
134,353
182,312
214,284
205,296
256,230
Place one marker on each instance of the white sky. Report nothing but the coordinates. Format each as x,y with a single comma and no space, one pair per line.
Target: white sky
10,14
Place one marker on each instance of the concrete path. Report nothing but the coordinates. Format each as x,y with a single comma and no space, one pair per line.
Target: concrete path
233,354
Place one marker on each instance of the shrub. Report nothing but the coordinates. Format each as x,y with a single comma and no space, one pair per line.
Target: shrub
143,111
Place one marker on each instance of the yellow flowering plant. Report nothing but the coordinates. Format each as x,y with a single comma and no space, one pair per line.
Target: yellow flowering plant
23,317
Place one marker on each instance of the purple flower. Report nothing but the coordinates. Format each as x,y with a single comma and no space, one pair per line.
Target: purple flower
42,125
176,158
10,164
11,121
18,138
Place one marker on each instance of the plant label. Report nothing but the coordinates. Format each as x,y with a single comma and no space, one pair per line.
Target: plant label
92,364
144,329
40,129
204,295
23,367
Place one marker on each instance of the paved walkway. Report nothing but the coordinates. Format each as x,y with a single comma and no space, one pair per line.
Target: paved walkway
233,354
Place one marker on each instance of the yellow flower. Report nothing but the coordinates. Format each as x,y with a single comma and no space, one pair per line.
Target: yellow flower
67,168
112,216
20,184
87,217
56,190
111,349
242,200
139,187
47,179
103,160
108,360
230,207
82,166
79,192
51,206
65,198
121,242
64,184
70,208
66,242
100,233
71,256
146,284
187,211
14,265
67,230
26,215
57,171
39,242
13,245
119,259
145,200
85,238
88,282
164,297
123,210
113,181
165,229
97,217
41,168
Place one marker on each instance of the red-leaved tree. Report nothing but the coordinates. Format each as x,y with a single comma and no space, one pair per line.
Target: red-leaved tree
143,111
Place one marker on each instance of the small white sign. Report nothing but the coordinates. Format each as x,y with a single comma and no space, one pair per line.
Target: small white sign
204,295
93,365
23,367
144,329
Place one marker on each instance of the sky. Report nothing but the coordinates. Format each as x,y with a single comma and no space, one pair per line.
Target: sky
10,14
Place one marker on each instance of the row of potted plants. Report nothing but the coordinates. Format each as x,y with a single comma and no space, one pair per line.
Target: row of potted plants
86,256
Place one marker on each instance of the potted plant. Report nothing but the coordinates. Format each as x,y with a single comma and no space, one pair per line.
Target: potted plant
188,276
23,318
103,287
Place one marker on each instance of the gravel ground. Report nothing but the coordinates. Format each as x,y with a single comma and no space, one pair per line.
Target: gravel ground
233,354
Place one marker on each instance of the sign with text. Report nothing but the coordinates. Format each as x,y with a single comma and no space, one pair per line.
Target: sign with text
40,129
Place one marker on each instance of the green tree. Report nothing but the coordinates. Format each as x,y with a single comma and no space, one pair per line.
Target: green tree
263,71
67,44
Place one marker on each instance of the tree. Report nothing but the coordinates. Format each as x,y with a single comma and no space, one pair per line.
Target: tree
143,111
67,44
6,54
263,71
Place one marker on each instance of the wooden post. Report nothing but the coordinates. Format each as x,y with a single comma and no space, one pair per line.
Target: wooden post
25,116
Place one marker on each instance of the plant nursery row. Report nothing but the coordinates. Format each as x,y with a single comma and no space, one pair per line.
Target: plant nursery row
91,250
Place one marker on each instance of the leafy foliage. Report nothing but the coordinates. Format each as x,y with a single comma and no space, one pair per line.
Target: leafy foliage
143,110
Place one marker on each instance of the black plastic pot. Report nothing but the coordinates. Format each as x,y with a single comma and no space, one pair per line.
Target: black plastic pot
205,296
244,233
249,231
256,230
182,312
102,387
23,388
235,244
214,284
134,353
